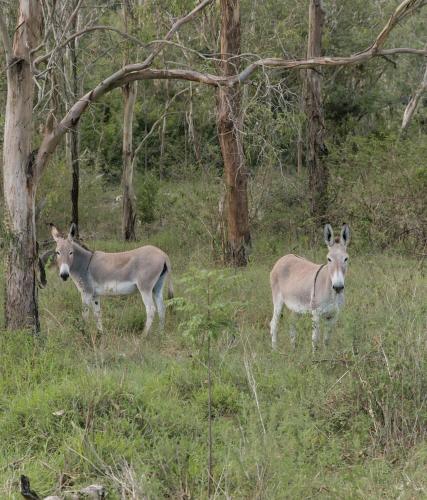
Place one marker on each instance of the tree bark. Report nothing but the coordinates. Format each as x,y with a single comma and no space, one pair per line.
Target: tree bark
229,119
129,209
316,150
413,103
21,309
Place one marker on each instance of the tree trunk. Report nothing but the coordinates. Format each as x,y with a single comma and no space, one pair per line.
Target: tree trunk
19,174
129,98
73,143
317,169
229,126
413,103
129,210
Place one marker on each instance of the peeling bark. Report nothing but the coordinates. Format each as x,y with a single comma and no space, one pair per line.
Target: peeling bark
19,186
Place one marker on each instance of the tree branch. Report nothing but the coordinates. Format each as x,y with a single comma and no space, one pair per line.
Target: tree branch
45,57
175,27
153,128
403,10
133,72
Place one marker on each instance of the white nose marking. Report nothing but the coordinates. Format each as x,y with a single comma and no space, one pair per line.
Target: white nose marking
338,279
64,269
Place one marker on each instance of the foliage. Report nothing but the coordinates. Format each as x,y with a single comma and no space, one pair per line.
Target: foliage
212,315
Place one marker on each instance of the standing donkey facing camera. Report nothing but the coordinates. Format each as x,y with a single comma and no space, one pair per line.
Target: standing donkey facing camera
97,274
306,287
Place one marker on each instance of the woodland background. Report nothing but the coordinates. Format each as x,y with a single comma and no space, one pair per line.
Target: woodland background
131,413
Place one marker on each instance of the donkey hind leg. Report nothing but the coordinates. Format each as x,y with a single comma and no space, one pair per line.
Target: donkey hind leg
158,297
150,308
292,329
277,310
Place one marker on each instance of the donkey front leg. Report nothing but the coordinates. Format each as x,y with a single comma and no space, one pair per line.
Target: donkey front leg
316,330
330,322
96,307
86,302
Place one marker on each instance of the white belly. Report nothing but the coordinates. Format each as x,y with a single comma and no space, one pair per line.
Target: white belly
296,306
115,288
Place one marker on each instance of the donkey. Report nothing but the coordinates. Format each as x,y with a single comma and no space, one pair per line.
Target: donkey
305,287
97,274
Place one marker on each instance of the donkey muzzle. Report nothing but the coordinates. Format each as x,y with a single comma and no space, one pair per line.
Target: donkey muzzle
338,288
64,271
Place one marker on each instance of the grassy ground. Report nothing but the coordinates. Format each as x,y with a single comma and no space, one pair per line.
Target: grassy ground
131,412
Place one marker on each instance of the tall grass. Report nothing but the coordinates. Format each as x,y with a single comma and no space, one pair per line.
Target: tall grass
131,412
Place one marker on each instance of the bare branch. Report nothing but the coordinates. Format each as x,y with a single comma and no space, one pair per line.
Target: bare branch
72,17
133,72
353,59
45,57
403,10
183,20
153,128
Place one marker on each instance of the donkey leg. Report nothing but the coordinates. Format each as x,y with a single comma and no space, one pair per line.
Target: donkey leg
277,309
86,302
150,308
96,307
158,297
292,330
316,331
330,323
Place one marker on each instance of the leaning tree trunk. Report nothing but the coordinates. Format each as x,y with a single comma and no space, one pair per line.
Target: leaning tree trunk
229,130
129,211
413,103
317,169
19,174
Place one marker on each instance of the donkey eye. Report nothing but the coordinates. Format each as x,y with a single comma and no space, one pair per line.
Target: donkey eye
71,253
57,253
346,259
329,259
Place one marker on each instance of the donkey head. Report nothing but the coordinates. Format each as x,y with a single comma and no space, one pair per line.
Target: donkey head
64,250
337,255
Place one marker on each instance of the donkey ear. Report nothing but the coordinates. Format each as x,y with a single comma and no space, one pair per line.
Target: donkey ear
54,231
328,234
345,235
73,231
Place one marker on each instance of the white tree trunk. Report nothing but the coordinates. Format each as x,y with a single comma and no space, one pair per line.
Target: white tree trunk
19,174
413,103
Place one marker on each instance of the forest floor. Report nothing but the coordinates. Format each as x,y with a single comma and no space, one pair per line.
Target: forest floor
131,413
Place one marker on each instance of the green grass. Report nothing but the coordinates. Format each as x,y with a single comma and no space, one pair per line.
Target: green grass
131,412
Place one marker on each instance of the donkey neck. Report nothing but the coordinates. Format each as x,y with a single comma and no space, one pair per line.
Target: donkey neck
324,296
81,261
